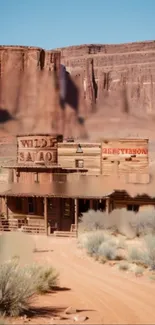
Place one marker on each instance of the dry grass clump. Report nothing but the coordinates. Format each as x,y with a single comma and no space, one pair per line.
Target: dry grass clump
45,277
18,285
16,289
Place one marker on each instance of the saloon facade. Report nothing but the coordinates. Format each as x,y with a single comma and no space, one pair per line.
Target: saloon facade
54,181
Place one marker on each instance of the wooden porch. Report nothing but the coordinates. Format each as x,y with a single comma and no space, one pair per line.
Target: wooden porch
49,216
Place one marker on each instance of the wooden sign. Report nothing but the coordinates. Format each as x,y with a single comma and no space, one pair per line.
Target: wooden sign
35,149
124,151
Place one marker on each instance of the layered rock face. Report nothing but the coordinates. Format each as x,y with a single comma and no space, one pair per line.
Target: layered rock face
115,76
27,90
107,79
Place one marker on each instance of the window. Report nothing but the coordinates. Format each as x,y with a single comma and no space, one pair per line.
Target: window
67,208
133,207
19,204
31,205
79,163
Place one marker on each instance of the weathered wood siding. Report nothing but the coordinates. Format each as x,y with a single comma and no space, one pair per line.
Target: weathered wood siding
124,156
30,176
91,156
13,210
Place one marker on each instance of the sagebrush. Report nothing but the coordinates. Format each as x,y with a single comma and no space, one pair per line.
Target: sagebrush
99,244
125,222
145,256
45,277
16,289
18,285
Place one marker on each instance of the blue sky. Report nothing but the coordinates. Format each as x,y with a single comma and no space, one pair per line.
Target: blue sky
57,23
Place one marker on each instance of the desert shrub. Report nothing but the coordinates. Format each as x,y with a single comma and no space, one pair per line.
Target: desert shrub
19,283
117,221
139,270
93,241
124,266
92,220
144,222
147,256
121,221
98,244
150,246
45,277
108,250
138,256
15,289
121,243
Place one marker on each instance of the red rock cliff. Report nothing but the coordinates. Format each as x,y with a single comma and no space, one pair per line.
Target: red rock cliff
107,76
27,85
115,75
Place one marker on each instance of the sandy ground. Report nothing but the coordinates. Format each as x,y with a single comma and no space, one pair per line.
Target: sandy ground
102,293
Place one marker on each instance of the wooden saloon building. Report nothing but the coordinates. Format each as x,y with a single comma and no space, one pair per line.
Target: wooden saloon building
54,181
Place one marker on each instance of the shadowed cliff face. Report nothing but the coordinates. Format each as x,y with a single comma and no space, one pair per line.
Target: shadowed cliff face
29,93
27,90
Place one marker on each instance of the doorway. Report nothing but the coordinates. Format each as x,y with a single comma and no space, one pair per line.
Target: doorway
84,206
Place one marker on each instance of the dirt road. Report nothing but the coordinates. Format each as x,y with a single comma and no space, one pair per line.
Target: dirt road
105,294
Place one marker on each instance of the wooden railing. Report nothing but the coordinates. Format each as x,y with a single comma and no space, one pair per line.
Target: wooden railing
23,225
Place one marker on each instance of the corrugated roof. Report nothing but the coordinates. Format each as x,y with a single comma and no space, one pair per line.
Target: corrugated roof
85,187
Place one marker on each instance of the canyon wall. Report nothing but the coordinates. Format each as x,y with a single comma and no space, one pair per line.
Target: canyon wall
27,90
107,78
115,76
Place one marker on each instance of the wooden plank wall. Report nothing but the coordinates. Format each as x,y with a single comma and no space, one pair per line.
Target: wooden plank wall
91,156
124,156
28,177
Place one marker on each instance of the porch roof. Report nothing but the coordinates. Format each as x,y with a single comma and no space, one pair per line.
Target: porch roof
15,165
85,187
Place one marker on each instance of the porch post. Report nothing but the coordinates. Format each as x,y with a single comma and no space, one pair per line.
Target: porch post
108,205
91,204
76,215
45,215
6,208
